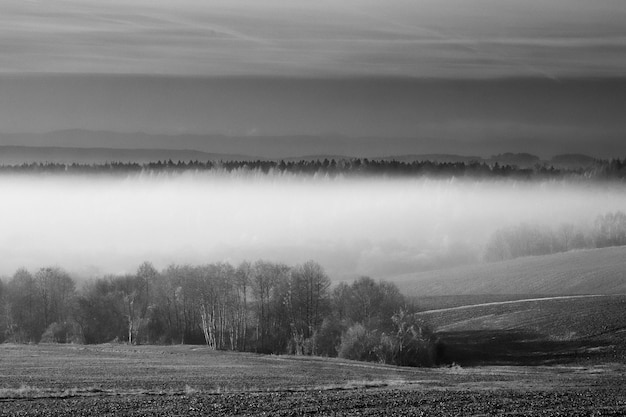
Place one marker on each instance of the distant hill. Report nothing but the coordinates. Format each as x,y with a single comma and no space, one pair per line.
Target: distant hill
314,158
521,160
594,271
288,147
573,161
264,147
16,155
440,158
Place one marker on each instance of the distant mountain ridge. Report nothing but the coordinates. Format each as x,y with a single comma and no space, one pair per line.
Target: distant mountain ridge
96,147
17,155
440,158
288,147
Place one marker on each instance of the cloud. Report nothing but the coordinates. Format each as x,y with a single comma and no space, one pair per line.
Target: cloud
278,38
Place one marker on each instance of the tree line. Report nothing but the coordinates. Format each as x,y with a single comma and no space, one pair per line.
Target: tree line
608,229
600,170
261,307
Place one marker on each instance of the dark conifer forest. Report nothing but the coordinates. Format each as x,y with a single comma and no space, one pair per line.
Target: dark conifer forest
600,170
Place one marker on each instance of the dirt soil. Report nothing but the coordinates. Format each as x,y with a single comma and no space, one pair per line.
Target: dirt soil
107,380
604,401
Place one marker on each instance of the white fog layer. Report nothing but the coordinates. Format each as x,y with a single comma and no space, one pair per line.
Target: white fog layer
377,227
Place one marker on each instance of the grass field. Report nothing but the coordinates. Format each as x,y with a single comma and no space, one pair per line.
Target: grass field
593,271
189,380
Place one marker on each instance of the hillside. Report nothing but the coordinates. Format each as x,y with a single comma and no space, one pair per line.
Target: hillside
594,271
528,310
534,331
561,318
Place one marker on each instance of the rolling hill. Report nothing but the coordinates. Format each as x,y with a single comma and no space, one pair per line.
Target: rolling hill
593,271
561,308
561,318
88,146
534,331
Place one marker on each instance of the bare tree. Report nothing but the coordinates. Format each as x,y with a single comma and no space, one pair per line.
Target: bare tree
566,233
243,280
24,318
309,298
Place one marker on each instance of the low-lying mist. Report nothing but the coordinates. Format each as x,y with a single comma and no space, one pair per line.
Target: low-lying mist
381,227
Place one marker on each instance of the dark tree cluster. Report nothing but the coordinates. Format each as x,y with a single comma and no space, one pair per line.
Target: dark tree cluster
531,240
613,169
261,307
369,326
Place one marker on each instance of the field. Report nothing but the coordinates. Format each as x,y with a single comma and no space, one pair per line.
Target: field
561,308
552,330
593,271
523,349
191,380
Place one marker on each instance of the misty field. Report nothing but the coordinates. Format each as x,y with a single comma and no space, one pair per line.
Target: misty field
189,380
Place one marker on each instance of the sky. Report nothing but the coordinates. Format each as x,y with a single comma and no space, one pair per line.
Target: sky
454,76
279,78
423,38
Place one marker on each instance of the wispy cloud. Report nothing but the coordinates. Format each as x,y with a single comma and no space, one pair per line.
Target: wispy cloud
353,37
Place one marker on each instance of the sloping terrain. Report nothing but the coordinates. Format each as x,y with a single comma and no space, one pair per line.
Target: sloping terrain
560,308
534,331
557,317
594,271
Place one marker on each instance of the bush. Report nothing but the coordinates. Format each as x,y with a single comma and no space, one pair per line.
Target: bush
62,333
360,344
414,342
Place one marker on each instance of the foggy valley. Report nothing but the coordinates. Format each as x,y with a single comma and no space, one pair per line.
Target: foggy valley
379,227
226,207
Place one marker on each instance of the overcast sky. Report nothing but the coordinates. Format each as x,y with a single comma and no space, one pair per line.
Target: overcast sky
151,66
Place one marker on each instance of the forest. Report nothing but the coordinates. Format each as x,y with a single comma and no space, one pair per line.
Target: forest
600,170
261,307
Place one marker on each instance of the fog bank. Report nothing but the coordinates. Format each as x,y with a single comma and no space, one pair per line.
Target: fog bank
377,227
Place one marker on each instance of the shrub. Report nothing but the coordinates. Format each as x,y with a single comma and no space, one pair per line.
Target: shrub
413,343
62,333
360,344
